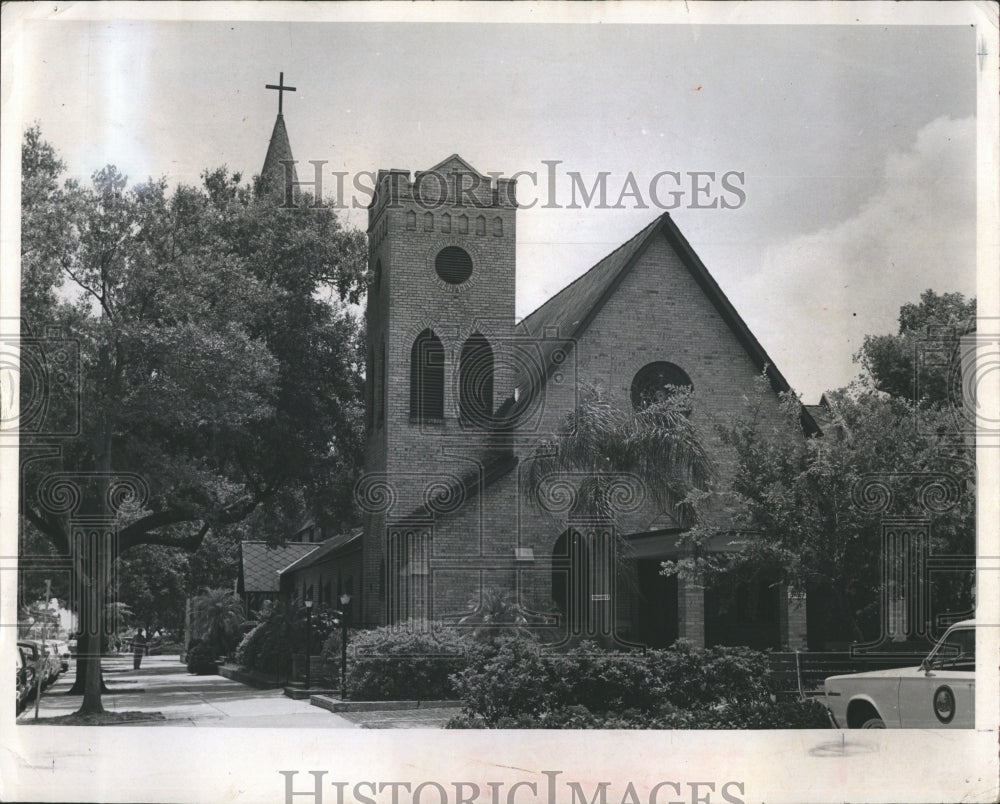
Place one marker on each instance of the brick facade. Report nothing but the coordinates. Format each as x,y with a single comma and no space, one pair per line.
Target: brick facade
445,513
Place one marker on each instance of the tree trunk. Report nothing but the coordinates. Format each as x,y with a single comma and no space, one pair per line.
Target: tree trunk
93,564
93,597
83,641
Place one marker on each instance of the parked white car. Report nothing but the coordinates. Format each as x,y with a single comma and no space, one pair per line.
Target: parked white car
940,693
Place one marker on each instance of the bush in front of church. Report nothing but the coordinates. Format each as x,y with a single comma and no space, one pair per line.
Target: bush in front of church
279,632
406,661
201,659
518,685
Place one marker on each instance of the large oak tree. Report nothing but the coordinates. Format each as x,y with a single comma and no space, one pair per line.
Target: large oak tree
218,359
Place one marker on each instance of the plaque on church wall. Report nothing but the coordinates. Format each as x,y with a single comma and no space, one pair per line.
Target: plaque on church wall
608,391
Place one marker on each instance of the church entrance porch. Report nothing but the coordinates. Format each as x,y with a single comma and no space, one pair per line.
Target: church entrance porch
630,602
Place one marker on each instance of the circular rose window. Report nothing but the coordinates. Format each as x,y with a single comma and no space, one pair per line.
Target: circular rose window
453,265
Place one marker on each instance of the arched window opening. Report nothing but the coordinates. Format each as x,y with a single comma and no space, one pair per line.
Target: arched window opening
658,382
475,381
427,378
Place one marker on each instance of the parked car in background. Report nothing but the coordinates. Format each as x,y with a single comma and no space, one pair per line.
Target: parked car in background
44,659
25,678
34,660
939,693
61,648
52,660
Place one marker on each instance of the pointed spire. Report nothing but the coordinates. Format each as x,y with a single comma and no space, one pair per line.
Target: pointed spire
277,168
279,154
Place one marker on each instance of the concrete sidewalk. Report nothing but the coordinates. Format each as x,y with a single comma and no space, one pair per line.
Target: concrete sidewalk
164,685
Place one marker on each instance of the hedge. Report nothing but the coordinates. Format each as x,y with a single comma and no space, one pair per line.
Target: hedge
402,663
516,685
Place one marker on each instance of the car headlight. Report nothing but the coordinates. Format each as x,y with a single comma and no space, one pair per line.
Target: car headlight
944,704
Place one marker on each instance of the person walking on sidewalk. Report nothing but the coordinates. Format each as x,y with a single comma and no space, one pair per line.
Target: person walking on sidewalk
138,648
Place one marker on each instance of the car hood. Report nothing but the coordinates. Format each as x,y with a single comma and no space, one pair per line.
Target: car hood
896,672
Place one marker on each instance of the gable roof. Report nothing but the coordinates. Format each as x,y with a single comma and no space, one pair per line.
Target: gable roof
570,312
324,549
450,164
260,562
572,309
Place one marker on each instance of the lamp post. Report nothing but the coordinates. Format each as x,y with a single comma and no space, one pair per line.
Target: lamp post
345,609
309,606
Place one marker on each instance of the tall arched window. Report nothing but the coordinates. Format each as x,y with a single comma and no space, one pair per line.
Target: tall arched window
427,377
475,380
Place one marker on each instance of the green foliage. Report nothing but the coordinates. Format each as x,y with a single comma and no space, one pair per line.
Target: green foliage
280,631
496,614
932,327
201,659
216,619
515,685
401,663
218,359
808,714
151,581
515,681
792,502
598,442
268,646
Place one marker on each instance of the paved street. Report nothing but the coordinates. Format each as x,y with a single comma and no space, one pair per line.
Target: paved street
164,685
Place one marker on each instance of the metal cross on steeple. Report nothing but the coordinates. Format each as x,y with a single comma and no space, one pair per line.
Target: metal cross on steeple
282,89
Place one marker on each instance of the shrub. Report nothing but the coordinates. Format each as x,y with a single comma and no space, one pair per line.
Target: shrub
217,618
809,714
281,631
507,681
690,677
495,614
201,659
330,656
400,663
590,687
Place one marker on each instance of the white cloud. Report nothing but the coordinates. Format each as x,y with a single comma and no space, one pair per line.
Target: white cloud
833,286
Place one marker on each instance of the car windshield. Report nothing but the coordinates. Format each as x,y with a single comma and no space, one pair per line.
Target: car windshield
957,652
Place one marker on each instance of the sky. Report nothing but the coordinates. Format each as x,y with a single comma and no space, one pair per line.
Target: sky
855,145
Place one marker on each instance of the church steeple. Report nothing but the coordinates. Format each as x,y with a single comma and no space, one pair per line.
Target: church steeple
279,151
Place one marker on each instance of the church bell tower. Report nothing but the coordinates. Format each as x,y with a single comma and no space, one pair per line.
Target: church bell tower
440,309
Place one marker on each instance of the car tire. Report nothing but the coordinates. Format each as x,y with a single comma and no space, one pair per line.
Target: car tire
873,723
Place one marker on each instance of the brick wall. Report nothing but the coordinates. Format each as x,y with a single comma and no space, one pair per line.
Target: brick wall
659,313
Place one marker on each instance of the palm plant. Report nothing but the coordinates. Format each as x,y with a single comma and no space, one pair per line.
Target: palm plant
495,613
599,443
217,616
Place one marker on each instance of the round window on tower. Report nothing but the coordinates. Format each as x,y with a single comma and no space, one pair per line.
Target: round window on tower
453,265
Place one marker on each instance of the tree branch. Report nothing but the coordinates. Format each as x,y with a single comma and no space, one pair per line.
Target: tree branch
52,529
134,534
192,542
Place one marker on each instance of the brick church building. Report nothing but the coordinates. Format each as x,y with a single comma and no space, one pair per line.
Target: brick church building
460,393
